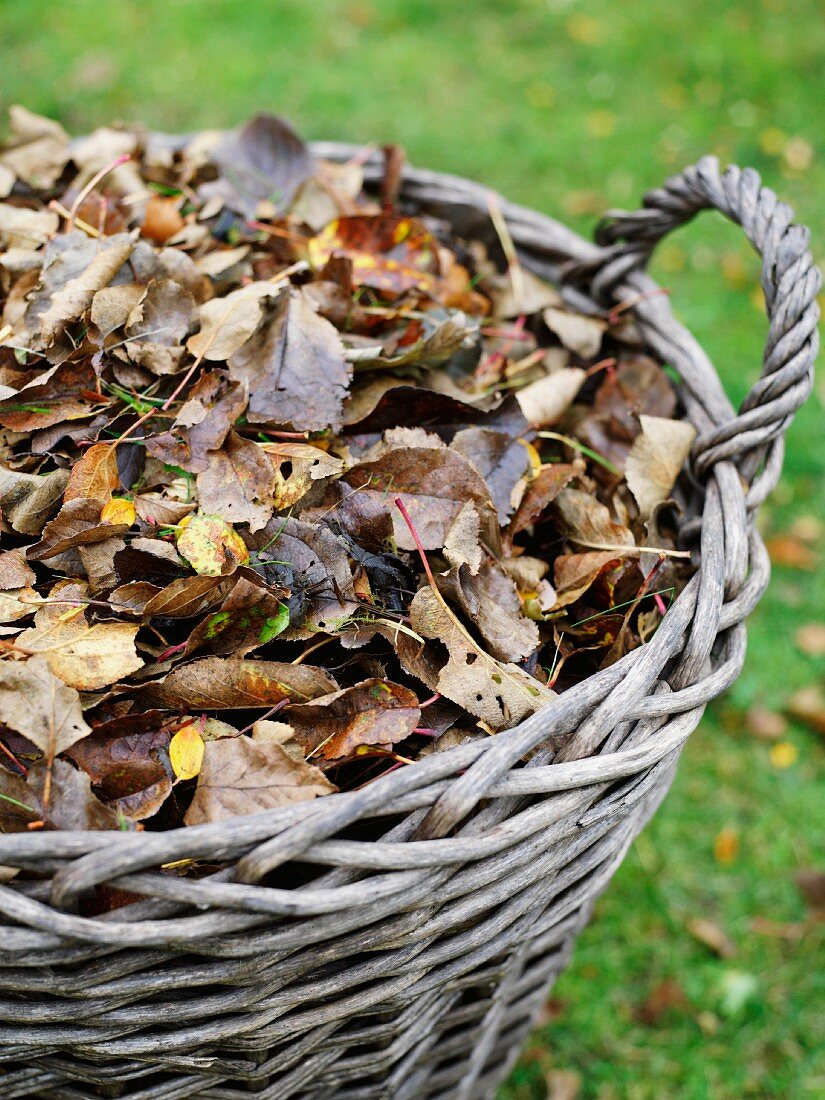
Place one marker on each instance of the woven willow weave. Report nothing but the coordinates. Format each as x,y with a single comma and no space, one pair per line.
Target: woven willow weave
441,901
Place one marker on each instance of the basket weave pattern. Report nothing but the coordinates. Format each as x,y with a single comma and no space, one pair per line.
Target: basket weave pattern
442,900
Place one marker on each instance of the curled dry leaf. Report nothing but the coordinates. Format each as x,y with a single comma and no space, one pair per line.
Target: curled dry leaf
655,459
545,401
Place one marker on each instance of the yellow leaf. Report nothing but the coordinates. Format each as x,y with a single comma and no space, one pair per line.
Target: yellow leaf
726,845
211,546
118,510
186,752
784,754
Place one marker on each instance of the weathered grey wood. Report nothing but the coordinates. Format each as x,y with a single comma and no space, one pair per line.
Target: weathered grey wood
412,965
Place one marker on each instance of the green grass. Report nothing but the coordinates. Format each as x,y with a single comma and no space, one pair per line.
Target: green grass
570,107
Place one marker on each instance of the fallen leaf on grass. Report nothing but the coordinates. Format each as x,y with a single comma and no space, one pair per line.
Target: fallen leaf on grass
664,998
241,776
563,1084
712,935
808,706
810,639
811,883
784,754
791,552
726,845
765,724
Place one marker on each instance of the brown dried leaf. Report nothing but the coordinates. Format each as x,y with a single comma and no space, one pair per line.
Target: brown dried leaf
502,461
83,656
306,465
158,325
227,322
203,422
810,639
373,712
808,706
221,683
250,616
262,165
501,695
311,562
793,553
95,475
71,299
27,500
242,776
294,368
238,483
62,394
811,883
127,760
712,935
34,702
14,570
38,149
434,484
60,796
655,460
588,522
545,401
461,544
540,492
77,523
577,331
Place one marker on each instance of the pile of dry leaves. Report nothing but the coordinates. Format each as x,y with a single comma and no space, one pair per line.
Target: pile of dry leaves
296,486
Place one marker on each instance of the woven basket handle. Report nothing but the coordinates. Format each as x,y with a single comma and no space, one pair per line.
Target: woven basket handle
790,283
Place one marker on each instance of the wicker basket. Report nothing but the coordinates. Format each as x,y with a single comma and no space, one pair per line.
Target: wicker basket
442,900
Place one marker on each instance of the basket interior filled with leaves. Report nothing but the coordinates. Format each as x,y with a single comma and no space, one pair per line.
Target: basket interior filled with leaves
299,485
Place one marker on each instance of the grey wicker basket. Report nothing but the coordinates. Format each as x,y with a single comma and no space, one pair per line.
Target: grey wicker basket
439,902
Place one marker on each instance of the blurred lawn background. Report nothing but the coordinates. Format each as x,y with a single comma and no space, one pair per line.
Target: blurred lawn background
572,108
